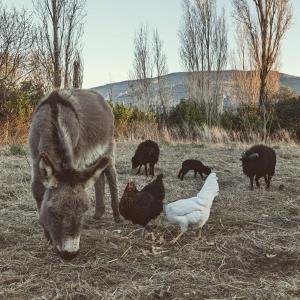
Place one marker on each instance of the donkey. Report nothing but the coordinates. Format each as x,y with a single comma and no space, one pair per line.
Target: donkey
72,147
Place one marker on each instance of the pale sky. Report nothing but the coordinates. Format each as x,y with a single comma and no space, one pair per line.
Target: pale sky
111,24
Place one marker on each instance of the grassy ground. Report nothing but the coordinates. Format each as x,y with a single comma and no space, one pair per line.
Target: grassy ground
250,249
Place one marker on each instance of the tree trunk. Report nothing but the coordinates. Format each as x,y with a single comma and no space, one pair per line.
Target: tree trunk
56,50
76,74
262,89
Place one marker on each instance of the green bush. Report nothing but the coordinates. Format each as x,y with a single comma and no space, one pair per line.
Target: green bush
187,112
287,114
229,120
128,115
188,115
248,119
19,100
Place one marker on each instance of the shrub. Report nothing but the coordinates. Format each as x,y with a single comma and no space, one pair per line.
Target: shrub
187,112
246,120
287,114
249,119
125,114
131,119
229,120
19,100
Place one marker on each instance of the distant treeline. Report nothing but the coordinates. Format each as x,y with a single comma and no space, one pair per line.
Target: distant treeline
186,117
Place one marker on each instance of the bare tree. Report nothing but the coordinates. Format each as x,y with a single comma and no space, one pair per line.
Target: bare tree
59,31
142,67
265,30
75,14
50,37
246,77
203,52
192,51
218,62
77,71
191,48
16,40
160,71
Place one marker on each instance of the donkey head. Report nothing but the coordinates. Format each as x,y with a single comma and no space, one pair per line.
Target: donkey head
65,202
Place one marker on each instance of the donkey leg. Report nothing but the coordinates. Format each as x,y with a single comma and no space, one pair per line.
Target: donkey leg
111,175
99,192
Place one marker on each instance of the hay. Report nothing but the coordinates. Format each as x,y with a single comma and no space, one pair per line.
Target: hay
250,248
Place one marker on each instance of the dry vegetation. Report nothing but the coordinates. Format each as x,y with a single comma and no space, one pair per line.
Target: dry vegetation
250,248
16,132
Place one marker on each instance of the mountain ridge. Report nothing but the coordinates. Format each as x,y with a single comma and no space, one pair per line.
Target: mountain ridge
120,91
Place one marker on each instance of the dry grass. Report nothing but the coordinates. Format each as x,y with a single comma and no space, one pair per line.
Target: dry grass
16,132
250,248
204,134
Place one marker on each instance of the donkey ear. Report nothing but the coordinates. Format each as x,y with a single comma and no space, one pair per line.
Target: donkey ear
89,176
47,172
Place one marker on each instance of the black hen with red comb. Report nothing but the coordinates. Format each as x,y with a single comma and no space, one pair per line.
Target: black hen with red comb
140,207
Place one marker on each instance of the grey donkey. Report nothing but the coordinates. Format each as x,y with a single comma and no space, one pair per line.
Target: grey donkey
72,147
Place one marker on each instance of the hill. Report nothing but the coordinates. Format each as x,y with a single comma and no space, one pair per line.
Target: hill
121,90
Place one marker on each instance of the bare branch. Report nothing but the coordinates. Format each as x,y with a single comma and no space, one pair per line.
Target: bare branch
203,52
59,33
265,31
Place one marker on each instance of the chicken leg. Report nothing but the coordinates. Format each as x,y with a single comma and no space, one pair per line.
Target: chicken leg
177,238
199,234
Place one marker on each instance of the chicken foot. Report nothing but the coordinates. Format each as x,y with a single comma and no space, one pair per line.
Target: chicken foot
177,238
143,230
143,233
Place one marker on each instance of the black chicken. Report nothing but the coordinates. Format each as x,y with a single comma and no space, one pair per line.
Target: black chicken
141,207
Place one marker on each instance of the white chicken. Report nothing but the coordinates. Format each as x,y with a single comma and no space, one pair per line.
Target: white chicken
195,210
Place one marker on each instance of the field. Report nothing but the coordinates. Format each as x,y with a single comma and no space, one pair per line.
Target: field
250,247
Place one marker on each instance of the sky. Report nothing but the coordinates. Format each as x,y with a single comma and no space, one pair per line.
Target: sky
111,24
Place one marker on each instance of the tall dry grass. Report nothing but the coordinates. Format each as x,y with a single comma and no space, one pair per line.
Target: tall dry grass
16,132
204,134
